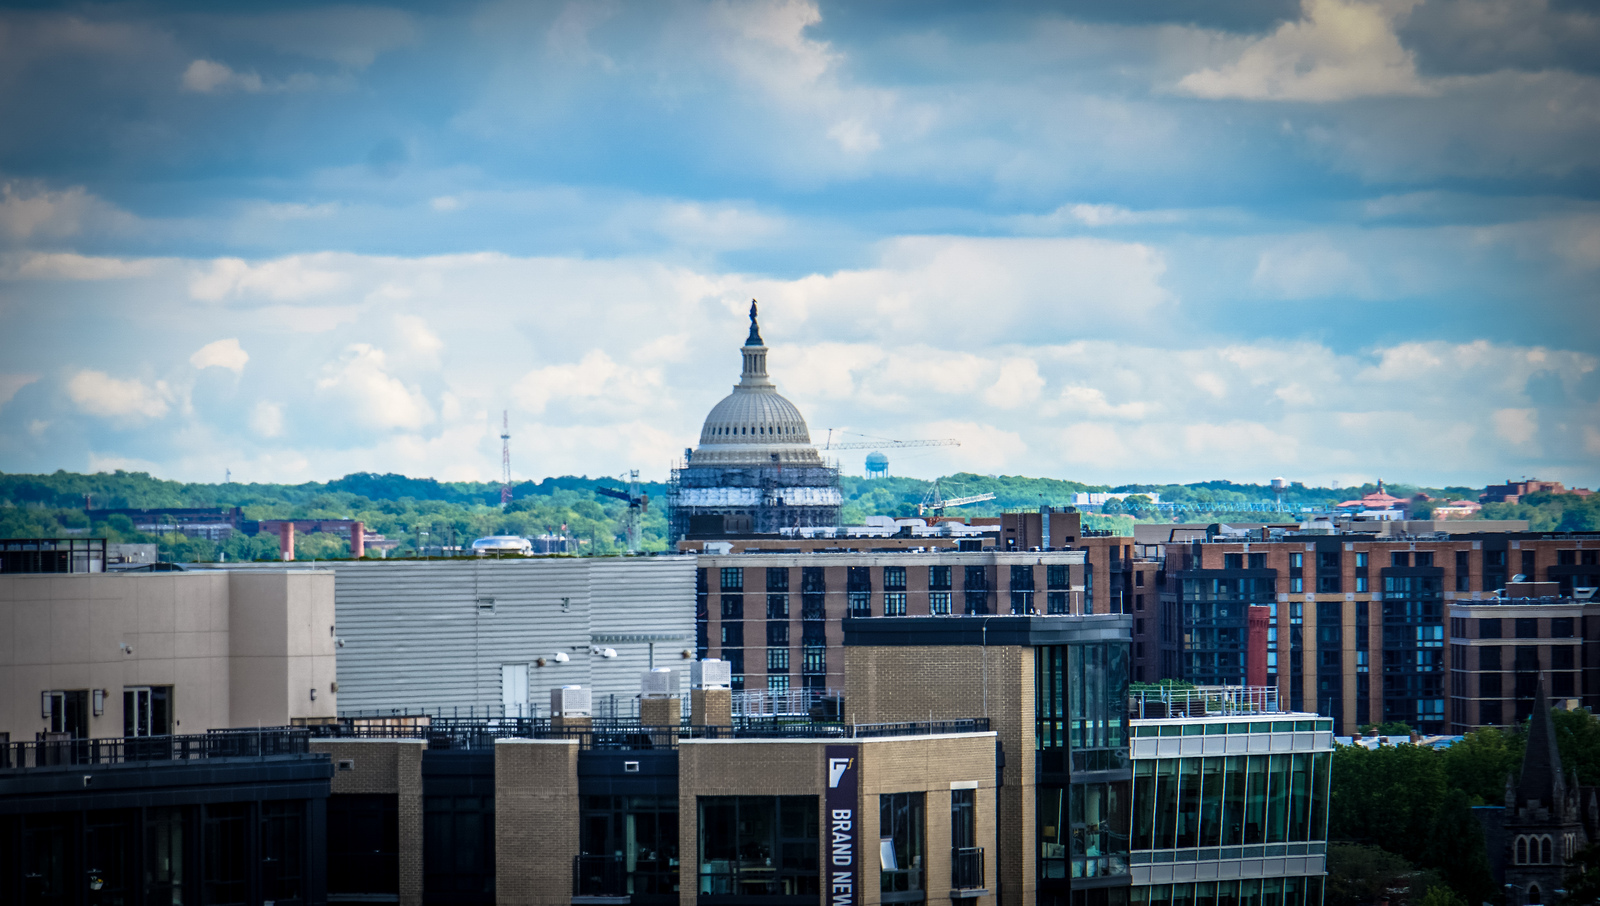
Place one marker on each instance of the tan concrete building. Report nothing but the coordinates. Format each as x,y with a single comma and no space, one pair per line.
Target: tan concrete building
95,655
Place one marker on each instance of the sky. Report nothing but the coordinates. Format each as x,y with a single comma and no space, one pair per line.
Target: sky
1171,241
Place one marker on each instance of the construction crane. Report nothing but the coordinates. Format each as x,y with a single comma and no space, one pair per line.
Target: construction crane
638,505
884,442
934,503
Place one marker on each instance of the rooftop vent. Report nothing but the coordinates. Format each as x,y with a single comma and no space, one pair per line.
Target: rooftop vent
711,673
662,682
570,701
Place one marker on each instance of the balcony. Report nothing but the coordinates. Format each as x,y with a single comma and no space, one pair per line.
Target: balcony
966,872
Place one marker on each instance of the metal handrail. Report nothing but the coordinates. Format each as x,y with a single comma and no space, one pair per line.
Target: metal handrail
258,743
966,867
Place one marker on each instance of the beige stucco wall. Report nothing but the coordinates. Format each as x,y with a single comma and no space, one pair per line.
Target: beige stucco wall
281,646
238,649
66,632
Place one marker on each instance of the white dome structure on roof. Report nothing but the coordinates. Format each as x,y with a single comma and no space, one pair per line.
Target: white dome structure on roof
755,469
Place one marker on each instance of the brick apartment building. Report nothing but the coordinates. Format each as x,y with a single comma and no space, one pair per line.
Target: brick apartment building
1357,623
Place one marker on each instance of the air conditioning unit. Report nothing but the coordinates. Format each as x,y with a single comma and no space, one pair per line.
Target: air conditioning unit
662,682
570,701
711,673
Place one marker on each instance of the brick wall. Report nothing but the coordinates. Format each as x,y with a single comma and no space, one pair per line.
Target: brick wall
386,767
535,820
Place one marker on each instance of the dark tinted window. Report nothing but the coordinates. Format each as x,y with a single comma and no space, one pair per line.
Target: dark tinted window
732,578
1489,658
1527,628
1489,629
777,578
1561,628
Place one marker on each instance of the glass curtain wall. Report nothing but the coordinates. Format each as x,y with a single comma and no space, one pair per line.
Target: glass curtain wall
1231,801
1083,774
1262,892
902,819
759,845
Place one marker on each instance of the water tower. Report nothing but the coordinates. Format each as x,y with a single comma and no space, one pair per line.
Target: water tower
877,465
1278,487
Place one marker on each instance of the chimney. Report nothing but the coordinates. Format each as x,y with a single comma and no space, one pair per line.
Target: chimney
286,539
358,540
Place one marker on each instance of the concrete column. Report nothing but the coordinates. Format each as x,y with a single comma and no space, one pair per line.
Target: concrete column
358,540
286,539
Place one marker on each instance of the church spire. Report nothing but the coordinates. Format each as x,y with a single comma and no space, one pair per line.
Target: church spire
1542,779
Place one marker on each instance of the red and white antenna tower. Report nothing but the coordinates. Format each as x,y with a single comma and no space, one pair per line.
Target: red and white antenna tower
505,457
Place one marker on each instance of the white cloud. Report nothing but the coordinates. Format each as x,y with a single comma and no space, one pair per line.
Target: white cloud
446,203
1080,400
211,77
370,395
72,266
417,335
30,211
221,354
10,384
97,393
1516,426
595,382
1341,49
1017,385
266,419
292,278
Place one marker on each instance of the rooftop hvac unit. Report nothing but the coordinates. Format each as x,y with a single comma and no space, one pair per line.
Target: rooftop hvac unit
570,701
662,682
711,673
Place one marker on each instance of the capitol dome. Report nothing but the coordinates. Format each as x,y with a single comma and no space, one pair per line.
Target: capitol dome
755,425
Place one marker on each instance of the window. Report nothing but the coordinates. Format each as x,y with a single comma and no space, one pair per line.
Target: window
1138,602
1361,560
1329,585
1561,685
1489,713
777,607
1022,602
894,578
1138,579
1297,561
1233,561
147,711
860,603
813,607
901,824
939,578
1022,578
1258,561
777,578
1528,564
225,837
815,659
758,846
812,580
1489,657
1361,583
1566,558
1399,558
1056,601
1527,628
859,578
1563,658
363,844
1056,576
1489,628
69,712
1527,659
1489,685
1328,561
1297,585
777,660
1494,560
939,601
894,603
1561,628
732,578
733,607
282,849
966,857
777,633
733,635
1424,558
778,683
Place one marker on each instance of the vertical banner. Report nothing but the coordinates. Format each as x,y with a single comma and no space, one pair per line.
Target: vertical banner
842,832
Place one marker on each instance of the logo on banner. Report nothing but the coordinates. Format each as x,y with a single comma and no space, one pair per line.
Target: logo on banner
844,832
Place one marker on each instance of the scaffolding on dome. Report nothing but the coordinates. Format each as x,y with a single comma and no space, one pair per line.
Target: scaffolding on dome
726,499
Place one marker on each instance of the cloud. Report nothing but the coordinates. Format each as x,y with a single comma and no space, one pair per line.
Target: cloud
221,354
1338,51
30,211
97,393
211,77
1516,426
418,336
72,266
266,419
596,381
292,278
370,395
10,384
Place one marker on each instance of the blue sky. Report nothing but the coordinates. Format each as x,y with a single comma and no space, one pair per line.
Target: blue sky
1332,240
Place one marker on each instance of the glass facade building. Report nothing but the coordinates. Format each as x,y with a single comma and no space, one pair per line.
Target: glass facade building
1083,768
1241,796
1212,622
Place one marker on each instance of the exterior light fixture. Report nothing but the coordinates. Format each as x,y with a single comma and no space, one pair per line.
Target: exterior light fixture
99,702
313,695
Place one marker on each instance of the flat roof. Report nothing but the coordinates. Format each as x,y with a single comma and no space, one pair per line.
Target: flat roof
995,630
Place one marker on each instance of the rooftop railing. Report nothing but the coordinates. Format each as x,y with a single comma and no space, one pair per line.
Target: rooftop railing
261,743
1202,701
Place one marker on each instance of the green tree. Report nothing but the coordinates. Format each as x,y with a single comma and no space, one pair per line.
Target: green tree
1386,797
1480,763
1359,875
1455,849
